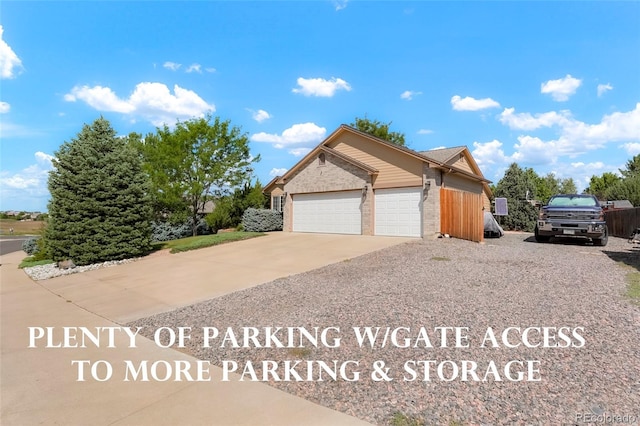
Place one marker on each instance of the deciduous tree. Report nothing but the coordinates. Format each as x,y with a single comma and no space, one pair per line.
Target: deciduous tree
379,130
198,160
598,185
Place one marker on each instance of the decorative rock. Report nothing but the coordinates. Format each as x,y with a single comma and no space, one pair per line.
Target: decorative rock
66,264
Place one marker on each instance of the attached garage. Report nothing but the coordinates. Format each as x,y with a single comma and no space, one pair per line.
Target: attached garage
398,212
328,212
355,183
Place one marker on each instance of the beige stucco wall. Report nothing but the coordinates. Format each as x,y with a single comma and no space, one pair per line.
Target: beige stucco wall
395,169
460,182
460,162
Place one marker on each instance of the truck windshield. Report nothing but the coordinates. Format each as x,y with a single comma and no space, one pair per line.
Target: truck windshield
572,201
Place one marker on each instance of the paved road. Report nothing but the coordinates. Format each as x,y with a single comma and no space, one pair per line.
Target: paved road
9,244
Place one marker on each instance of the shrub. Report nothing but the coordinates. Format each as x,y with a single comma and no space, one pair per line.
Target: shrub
261,220
167,231
30,246
220,218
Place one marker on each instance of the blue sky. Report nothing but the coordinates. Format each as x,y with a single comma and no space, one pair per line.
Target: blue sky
550,85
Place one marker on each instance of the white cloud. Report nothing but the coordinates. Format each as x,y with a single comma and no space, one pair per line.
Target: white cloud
582,172
632,148
489,153
471,104
320,87
259,115
408,94
10,64
299,152
561,89
616,127
4,107
573,136
425,132
533,150
194,68
210,69
31,180
340,4
303,135
171,66
526,121
152,101
603,88
277,172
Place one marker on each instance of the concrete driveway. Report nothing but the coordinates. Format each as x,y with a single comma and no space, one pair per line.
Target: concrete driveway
38,385
163,282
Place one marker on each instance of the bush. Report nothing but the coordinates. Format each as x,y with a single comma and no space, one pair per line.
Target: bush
36,248
167,231
220,218
261,220
30,246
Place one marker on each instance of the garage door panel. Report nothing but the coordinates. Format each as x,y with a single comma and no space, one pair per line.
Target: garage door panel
398,212
331,212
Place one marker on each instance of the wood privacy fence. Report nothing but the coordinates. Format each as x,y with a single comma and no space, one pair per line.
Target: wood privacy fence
461,214
622,223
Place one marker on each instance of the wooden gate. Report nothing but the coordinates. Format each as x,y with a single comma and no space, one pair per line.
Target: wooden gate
461,214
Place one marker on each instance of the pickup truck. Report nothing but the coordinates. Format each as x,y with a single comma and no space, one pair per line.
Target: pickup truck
572,215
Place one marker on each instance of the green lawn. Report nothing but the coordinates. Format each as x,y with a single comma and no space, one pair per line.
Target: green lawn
201,241
28,262
176,246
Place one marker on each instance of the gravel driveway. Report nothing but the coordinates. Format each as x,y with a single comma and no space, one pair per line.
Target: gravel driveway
507,282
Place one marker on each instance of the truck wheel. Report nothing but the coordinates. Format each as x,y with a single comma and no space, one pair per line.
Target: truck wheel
601,242
540,238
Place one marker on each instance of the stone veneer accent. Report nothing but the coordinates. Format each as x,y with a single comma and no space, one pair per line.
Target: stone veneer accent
335,175
432,179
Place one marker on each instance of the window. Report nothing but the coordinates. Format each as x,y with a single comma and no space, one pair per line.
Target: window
321,159
276,203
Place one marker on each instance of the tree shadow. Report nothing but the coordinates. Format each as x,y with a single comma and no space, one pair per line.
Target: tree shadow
630,257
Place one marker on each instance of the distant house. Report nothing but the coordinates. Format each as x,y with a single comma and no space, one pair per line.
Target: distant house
355,183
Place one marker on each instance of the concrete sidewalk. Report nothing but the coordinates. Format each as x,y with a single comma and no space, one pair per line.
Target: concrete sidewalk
39,386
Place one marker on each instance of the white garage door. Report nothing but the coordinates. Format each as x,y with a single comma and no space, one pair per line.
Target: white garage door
329,212
399,212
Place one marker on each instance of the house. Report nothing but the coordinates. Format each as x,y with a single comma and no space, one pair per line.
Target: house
355,183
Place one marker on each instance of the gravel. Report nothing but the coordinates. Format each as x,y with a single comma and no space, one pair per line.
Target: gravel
506,282
50,270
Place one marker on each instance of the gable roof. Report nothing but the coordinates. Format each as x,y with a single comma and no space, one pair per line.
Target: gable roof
322,146
443,154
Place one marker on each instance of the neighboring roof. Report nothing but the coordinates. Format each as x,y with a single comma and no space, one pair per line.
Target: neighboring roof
443,154
371,170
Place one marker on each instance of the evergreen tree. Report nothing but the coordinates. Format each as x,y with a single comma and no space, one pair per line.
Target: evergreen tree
100,206
632,168
515,186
